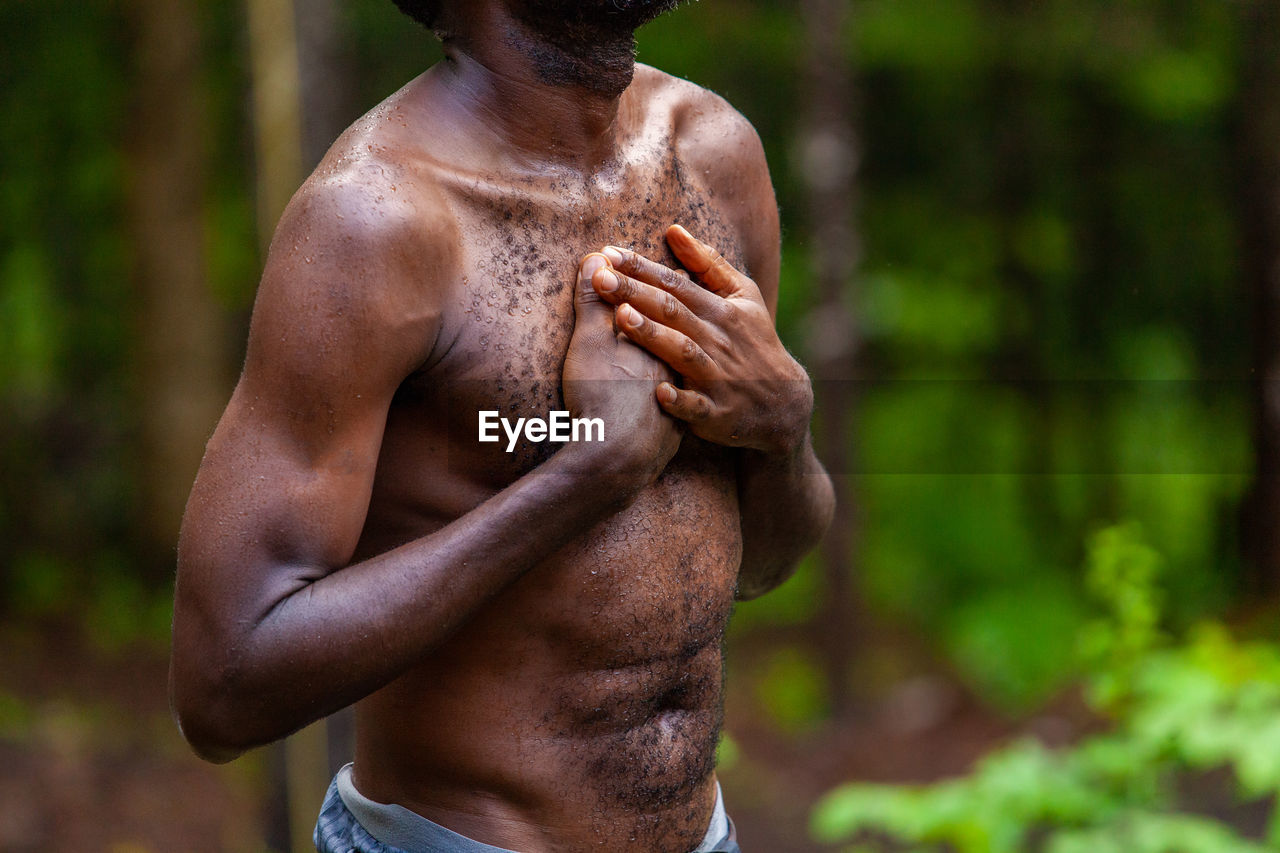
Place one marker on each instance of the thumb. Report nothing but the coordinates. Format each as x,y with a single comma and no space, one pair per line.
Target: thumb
586,302
593,330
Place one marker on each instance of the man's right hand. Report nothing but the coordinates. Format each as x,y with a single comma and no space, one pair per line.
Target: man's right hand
607,376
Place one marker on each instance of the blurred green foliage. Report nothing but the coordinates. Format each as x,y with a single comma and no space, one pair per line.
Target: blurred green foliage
1207,703
1048,303
1049,283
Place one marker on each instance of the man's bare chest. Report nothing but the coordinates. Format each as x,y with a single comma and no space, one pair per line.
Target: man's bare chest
509,315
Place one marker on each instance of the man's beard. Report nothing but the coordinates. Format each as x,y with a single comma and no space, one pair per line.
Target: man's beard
587,43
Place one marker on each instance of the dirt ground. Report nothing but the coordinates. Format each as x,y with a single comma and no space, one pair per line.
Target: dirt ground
91,761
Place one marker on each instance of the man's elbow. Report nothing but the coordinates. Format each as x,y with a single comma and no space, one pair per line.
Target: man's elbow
208,745
766,569
824,508
209,718
765,575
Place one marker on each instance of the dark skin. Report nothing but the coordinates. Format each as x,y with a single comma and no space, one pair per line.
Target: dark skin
532,640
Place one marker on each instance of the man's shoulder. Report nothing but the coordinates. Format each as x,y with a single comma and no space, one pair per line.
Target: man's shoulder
366,238
374,189
707,129
722,147
372,205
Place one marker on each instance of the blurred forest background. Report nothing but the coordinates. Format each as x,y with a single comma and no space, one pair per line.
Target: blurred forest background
1031,256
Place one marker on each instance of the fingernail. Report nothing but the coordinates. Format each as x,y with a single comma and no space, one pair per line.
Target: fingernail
630,316
614,254
591,263
607,281
666,393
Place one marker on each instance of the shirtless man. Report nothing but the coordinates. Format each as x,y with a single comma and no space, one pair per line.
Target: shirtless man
532,638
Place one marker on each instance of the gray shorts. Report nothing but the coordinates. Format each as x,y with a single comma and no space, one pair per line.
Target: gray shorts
352,823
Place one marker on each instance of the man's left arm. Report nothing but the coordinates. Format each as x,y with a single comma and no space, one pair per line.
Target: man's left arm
741,389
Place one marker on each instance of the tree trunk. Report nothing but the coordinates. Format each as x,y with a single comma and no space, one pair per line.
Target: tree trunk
325,76
1258,135
277,109
183,357
1018,362
829,160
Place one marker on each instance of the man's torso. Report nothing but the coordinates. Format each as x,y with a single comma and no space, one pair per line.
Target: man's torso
587,695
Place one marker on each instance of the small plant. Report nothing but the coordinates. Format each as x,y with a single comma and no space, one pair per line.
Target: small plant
1207,703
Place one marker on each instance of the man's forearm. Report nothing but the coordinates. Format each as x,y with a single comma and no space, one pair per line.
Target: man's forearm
330,642
786,503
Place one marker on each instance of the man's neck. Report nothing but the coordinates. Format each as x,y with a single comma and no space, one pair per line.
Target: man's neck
551,92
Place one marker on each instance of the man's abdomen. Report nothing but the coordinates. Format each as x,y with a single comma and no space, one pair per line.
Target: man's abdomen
587,693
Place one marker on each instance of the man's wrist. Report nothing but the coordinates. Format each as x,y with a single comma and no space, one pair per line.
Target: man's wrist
787,437
607,474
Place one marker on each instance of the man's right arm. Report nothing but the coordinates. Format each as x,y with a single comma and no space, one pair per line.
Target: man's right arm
273,628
